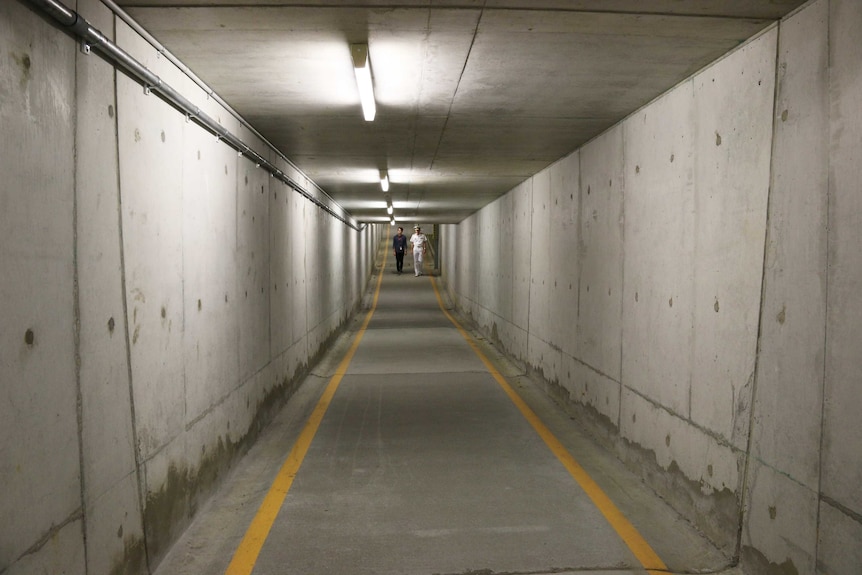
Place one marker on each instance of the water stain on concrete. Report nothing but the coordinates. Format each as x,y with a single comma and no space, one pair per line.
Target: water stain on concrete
753,561
24,64
133,559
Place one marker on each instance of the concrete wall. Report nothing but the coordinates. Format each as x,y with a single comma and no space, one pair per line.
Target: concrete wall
161,297
688,283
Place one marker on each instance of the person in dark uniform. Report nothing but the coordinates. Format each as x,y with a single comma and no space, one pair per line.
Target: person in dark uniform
399,244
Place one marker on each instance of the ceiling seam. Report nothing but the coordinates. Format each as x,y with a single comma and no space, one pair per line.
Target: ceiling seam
401,5
458,85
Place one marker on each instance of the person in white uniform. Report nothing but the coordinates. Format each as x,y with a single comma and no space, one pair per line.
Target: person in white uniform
420,244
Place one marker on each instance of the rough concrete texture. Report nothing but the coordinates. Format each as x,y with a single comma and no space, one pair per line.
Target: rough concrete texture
111,488
161,298
782,481
730,207
40,455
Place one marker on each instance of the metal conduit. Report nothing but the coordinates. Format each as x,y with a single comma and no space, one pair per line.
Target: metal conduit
91,38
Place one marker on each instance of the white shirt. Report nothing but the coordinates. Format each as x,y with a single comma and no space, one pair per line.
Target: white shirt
418,241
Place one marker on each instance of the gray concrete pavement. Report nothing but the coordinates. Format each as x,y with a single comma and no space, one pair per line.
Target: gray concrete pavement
423,465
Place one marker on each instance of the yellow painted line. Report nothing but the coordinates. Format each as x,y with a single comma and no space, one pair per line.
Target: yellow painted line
246,554
648,558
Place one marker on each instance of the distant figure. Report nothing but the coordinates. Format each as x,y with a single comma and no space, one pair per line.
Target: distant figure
399,245
420,243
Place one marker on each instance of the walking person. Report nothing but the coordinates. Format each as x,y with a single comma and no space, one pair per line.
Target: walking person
420,243
399,246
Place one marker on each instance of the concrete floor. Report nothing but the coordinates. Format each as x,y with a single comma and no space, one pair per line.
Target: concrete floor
422,464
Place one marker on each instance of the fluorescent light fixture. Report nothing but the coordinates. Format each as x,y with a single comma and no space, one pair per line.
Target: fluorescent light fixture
384,181
389,210
392,222
362,69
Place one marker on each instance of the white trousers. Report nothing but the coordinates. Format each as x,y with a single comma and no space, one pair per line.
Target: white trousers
417,262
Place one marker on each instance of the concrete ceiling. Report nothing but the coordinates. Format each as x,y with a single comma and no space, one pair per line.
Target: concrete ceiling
473,96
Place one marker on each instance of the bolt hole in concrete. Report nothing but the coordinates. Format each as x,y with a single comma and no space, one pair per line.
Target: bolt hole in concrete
111,325
29,337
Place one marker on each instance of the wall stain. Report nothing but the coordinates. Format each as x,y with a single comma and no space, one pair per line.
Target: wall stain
133,560
170,508
714,512
753,561
24,63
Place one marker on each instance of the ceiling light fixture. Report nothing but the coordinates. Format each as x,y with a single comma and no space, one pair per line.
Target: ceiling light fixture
389,210
384,180
362,69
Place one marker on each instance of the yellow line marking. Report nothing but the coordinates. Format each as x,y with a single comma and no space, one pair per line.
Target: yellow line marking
648,558
247,553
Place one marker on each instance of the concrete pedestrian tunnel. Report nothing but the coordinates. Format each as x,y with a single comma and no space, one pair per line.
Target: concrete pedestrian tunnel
659,365
416,447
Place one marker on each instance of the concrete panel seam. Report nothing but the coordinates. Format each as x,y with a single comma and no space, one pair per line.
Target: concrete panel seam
743,480
76,315
622,177
708,432
857,517
136,447
52,532
597,371
826,277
